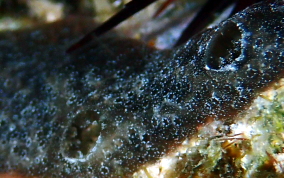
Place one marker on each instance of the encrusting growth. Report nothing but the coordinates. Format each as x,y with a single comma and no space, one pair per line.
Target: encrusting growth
117,104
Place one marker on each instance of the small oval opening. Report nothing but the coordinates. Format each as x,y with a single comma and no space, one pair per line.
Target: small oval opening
83,134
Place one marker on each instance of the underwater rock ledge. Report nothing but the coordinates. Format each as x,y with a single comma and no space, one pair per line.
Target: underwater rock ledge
118,104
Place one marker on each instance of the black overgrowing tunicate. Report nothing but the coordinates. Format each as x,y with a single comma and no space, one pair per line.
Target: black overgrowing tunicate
118,104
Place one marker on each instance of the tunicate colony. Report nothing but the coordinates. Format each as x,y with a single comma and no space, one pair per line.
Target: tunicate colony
117,104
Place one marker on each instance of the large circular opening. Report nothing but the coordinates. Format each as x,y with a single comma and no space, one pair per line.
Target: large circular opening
224,48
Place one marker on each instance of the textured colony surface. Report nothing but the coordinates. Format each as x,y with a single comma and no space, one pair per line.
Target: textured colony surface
118,104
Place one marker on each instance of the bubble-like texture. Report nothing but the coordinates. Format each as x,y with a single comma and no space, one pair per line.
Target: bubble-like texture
118,104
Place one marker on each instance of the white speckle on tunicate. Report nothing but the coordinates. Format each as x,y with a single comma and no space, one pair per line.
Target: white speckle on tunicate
12,127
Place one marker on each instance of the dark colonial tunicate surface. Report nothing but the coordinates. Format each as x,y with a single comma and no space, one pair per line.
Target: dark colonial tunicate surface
117,104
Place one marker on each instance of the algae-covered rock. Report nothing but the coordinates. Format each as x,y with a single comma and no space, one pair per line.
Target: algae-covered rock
117,104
